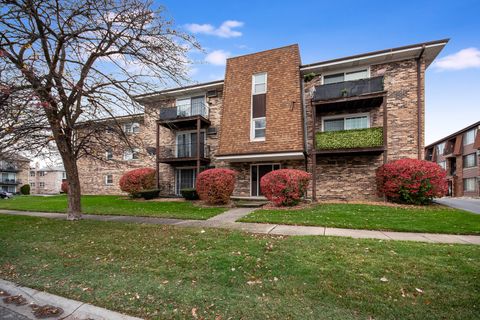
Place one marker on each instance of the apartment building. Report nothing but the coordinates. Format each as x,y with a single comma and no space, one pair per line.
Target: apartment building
338,119
13,173
459,155
46,180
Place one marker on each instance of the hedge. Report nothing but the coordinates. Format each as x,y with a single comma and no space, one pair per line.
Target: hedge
147,194
25,189
350,139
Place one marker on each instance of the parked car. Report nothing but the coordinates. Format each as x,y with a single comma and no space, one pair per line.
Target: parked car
5,195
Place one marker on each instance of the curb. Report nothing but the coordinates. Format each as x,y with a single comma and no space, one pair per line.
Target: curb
72,309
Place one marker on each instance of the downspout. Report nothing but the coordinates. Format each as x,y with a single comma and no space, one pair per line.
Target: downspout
304,120
419,103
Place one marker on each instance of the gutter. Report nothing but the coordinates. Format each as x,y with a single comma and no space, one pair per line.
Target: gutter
419,103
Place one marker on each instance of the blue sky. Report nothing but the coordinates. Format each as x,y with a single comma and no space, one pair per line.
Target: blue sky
333,29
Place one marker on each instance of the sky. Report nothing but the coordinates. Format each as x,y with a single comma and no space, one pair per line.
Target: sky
334,29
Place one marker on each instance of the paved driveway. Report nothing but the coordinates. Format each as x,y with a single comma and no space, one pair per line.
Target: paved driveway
467,204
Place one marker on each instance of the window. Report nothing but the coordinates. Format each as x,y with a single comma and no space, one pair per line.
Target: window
440,148
41,184
131,154
469,184
109,154
64,175
470,160
41,173
32,184
191,106
346,122
345,76
259,106
443,165
131,127
109,179
32,173
469,136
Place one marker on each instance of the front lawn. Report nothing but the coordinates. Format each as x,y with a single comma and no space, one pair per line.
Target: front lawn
435,218
114,205
164,272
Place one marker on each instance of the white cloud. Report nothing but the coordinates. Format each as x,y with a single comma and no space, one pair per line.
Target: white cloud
224,31
463,59
217,57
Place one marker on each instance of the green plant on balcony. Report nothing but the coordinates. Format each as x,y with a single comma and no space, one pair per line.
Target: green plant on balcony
350,139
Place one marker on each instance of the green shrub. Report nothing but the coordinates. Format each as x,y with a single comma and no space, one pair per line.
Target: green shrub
25,189
147,194
350,139
189,194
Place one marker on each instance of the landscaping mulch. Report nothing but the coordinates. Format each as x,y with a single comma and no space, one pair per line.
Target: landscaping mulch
17,300
46,311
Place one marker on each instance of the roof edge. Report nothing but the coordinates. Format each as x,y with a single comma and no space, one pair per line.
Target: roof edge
476,124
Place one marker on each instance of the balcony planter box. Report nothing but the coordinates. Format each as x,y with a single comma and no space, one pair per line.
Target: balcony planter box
350,139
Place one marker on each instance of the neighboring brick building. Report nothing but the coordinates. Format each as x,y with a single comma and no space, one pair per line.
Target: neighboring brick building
46,180
13,173
459,155
273,112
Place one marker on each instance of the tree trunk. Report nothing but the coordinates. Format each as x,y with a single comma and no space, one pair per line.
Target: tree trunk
74,211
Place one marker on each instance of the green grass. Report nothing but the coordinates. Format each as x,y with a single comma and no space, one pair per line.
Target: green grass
435,218
163,272
113,205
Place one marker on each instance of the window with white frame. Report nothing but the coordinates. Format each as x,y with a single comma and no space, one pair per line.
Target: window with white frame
469,184
346,122
440,148
109,179
259,106
109,154
469,137
131,127
131,154
64,175
346,76
32,173
191,106
41,184
32,184
470,160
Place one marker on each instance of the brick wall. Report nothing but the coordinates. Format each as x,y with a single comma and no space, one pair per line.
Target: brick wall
283,107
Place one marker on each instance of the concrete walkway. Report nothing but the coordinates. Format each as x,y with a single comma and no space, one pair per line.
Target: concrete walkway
467,204
72,309
227,221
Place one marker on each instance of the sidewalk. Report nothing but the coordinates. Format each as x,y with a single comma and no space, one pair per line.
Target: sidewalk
227,220
72,309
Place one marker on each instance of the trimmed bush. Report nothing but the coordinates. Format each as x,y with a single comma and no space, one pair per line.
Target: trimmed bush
189,194
64,187
411,181
215,186
349,139
25,189
137,180
285,187
147,194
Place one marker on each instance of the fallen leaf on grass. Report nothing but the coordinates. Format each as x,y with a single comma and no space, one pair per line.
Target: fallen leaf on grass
419,290
383,279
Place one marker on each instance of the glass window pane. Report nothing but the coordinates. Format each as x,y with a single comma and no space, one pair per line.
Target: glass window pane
356,123
355,75
259,78
259,133
259,88
469,137
333,78
334,125
260,123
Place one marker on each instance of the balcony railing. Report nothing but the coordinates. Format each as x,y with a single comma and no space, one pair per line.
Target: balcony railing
183,151
348,89
184,111
10,181
357,139
8,167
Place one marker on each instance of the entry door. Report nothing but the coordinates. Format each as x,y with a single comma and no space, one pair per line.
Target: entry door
185,179
257,172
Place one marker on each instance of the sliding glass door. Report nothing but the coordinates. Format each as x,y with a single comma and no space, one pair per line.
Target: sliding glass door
257,171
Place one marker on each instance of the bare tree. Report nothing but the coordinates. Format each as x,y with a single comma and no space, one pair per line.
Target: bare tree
74,62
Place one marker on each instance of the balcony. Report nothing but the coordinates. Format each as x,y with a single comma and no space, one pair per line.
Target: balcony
9,168
10,181
348,89
369,140
184,116
183,153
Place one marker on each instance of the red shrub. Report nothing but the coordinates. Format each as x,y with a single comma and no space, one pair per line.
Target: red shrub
285,187
411,181
215,186
137,180
64,186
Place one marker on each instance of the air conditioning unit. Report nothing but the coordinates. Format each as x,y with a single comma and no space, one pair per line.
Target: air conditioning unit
212,94
211,131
